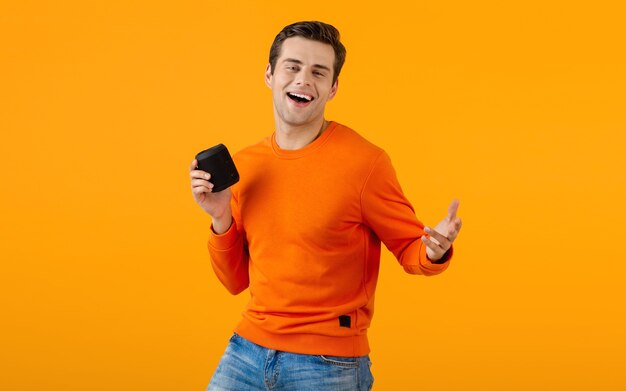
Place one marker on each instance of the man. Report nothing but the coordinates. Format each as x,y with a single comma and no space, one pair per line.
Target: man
302,230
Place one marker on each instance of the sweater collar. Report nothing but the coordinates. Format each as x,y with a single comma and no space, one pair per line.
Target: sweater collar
309,148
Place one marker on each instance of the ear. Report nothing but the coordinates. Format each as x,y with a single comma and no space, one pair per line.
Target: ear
268,75
333,90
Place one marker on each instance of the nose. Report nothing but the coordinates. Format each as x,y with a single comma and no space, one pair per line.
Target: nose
303,79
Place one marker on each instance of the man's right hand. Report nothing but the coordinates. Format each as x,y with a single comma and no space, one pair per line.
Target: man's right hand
215,204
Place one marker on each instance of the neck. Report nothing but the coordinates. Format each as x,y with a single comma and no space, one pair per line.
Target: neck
292,137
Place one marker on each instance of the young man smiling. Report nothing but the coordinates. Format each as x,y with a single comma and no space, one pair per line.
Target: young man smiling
302,81
303,228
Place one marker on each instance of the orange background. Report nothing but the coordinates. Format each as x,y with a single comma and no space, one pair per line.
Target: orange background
517,109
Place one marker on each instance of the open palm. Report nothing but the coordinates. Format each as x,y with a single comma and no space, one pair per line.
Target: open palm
444,233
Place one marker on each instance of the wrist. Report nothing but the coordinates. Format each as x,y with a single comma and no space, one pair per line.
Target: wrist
443,259
222,224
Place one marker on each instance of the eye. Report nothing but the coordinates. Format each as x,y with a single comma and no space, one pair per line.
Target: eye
317,73
292,68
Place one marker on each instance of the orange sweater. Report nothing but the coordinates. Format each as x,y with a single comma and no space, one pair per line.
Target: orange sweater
306,234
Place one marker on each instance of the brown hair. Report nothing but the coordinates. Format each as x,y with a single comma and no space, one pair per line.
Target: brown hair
313,30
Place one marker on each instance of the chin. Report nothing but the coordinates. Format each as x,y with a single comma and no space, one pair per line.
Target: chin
296,120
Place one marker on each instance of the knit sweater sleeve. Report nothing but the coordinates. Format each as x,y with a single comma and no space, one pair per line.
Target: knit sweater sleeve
391,216
229,254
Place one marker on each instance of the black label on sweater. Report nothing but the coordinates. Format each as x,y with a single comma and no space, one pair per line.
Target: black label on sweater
344,321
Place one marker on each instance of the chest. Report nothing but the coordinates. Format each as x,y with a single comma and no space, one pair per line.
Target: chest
313,203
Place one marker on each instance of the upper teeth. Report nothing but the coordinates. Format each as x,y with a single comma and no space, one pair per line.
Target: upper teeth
309,98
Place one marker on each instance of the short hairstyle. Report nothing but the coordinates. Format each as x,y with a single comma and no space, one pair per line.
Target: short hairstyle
313,30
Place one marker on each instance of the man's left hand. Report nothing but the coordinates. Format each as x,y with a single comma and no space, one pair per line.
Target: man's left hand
443,235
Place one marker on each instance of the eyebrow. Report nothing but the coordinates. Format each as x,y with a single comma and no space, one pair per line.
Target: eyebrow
296,61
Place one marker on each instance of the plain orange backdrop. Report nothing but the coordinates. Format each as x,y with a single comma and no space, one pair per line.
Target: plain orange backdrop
516,108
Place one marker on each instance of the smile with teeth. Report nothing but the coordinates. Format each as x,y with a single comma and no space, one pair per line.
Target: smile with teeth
300,98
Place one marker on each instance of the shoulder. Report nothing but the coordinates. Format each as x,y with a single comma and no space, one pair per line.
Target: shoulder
350,140
357,156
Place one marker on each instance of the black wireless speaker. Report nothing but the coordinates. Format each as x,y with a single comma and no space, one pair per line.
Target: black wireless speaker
218,162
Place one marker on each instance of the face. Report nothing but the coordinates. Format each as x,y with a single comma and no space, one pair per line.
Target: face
302,82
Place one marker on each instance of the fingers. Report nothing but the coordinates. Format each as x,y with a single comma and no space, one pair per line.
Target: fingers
201,186
446,231
198,174
442,240
435,248
439,243
454,228
196,191
430,243
454,206
457,225
199,179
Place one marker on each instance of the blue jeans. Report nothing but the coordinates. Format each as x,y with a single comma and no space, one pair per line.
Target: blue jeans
246,366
